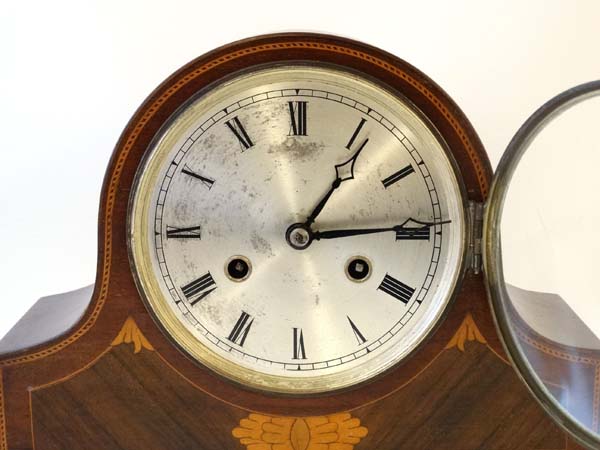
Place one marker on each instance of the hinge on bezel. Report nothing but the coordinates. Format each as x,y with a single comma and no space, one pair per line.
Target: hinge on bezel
475,211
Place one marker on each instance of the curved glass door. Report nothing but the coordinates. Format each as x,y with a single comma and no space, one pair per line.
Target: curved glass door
542,257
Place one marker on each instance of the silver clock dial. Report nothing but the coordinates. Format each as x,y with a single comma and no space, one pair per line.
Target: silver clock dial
298,229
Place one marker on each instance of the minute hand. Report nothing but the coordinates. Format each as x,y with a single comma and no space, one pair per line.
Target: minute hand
332,234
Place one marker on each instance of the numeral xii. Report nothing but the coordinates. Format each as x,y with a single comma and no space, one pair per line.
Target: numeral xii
298,118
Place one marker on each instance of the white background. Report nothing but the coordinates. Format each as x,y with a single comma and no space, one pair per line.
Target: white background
73,73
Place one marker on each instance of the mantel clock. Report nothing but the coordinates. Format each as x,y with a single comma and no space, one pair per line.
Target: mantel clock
291,245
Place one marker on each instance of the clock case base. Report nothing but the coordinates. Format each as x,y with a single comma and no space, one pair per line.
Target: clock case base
131,397
114,380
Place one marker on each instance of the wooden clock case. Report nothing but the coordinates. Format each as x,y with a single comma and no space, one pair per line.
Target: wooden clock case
114,380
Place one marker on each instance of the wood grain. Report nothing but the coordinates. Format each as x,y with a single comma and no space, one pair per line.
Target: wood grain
129,398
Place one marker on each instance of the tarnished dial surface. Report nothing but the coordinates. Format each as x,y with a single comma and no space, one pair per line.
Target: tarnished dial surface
297,229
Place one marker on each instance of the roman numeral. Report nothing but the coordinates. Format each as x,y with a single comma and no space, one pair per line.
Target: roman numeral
183,233
397,176
414,234
355,135
298,118
396,289
205,181
239,131
202,286
357,334
241,329
299,351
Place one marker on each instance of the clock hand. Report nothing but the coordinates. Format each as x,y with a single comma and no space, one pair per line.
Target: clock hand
332,234
347,166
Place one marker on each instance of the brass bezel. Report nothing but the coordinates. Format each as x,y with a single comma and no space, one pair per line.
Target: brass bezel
183,338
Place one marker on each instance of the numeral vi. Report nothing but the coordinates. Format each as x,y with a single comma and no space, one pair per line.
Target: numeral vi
299,350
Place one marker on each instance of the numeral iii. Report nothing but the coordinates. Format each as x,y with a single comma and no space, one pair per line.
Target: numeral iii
412,234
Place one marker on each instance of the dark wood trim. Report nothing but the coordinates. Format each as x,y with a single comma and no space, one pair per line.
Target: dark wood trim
3,444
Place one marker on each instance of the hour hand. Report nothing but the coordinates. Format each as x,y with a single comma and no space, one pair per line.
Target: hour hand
343,172
402,231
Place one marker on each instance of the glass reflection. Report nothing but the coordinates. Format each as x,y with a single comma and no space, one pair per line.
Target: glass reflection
550,245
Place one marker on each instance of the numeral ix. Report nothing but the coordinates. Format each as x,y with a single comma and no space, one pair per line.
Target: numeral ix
183,233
